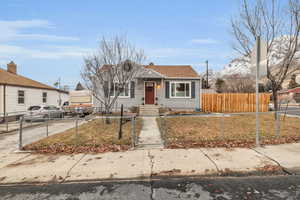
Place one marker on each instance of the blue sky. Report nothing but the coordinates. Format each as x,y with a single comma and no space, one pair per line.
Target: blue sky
48,39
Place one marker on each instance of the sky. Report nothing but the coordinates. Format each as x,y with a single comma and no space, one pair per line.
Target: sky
48,39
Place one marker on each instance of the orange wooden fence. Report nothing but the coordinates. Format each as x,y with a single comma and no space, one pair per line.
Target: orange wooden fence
234,102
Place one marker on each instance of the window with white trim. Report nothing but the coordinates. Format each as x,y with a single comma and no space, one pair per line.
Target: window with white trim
21,96
124,92
180,89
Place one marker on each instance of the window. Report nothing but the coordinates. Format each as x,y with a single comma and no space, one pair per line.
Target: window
180,89
21,96
115,88
44,97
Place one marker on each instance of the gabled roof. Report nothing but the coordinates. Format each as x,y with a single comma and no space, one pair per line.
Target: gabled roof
174,71
8,78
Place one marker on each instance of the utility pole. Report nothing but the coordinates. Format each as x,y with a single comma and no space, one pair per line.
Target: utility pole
256,87
59,92
206,74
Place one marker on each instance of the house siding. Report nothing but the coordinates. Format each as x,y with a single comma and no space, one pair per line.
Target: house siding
1,99
174,103
180,103
33,96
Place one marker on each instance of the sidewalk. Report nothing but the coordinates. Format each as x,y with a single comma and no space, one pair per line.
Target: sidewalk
136,164
150,136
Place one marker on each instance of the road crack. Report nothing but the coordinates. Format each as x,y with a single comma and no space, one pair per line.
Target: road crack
214,163
268,157
69,171
151,174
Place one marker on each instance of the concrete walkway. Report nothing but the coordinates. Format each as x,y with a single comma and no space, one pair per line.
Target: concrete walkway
136,164
150,137
9,141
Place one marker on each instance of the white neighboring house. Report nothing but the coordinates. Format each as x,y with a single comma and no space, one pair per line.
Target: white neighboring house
18,93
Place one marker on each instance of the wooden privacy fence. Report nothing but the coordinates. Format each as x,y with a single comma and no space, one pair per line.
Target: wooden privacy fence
234,102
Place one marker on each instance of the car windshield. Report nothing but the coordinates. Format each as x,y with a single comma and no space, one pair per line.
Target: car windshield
50,108
32,108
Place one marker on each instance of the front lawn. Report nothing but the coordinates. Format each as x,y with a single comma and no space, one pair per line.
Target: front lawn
238,131
93,137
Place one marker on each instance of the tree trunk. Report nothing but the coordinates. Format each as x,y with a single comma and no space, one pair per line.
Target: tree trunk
275,101
107,119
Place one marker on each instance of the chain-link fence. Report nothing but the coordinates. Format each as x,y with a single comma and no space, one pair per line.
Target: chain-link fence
78,131
230,129
9,121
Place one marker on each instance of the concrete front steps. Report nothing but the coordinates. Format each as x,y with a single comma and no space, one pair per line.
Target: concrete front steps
149,110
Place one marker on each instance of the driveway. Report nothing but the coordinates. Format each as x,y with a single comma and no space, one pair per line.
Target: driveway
9,141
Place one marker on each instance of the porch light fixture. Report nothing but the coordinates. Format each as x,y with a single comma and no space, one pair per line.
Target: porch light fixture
158,86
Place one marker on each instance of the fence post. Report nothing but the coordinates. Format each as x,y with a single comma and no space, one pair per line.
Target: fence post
121,124
76,126
277,123
164,127
47,126
133,137
222,126
6,121
21,134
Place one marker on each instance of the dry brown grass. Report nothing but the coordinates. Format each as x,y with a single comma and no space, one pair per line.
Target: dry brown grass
239,131
93,136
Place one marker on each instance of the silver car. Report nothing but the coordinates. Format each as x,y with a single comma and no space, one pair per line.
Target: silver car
43,113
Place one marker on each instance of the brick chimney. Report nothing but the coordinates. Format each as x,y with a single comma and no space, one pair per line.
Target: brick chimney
12,67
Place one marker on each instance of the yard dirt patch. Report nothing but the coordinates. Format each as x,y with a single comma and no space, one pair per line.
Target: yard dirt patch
93,137
238,131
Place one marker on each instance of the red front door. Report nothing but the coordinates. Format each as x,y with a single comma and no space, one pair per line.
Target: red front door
149,93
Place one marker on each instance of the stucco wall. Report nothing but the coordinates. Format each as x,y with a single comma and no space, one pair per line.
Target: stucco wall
32,97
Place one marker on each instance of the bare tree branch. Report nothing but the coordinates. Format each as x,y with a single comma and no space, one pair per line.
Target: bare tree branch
110,69
278,25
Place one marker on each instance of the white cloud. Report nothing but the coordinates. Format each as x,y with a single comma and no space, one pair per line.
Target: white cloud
51,52
186,52
12,30
204,41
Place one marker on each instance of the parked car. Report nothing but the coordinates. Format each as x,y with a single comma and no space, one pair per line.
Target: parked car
77,109
42,113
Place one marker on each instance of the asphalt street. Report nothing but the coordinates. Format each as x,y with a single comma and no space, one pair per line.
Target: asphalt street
291,110
221,188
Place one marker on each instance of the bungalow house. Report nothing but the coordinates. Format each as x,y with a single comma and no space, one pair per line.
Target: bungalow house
167,86
18,93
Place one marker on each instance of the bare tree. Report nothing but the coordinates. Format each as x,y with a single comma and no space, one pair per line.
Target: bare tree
237,83
108,72
277,23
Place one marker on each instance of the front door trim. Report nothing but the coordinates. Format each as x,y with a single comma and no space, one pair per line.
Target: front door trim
154,85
